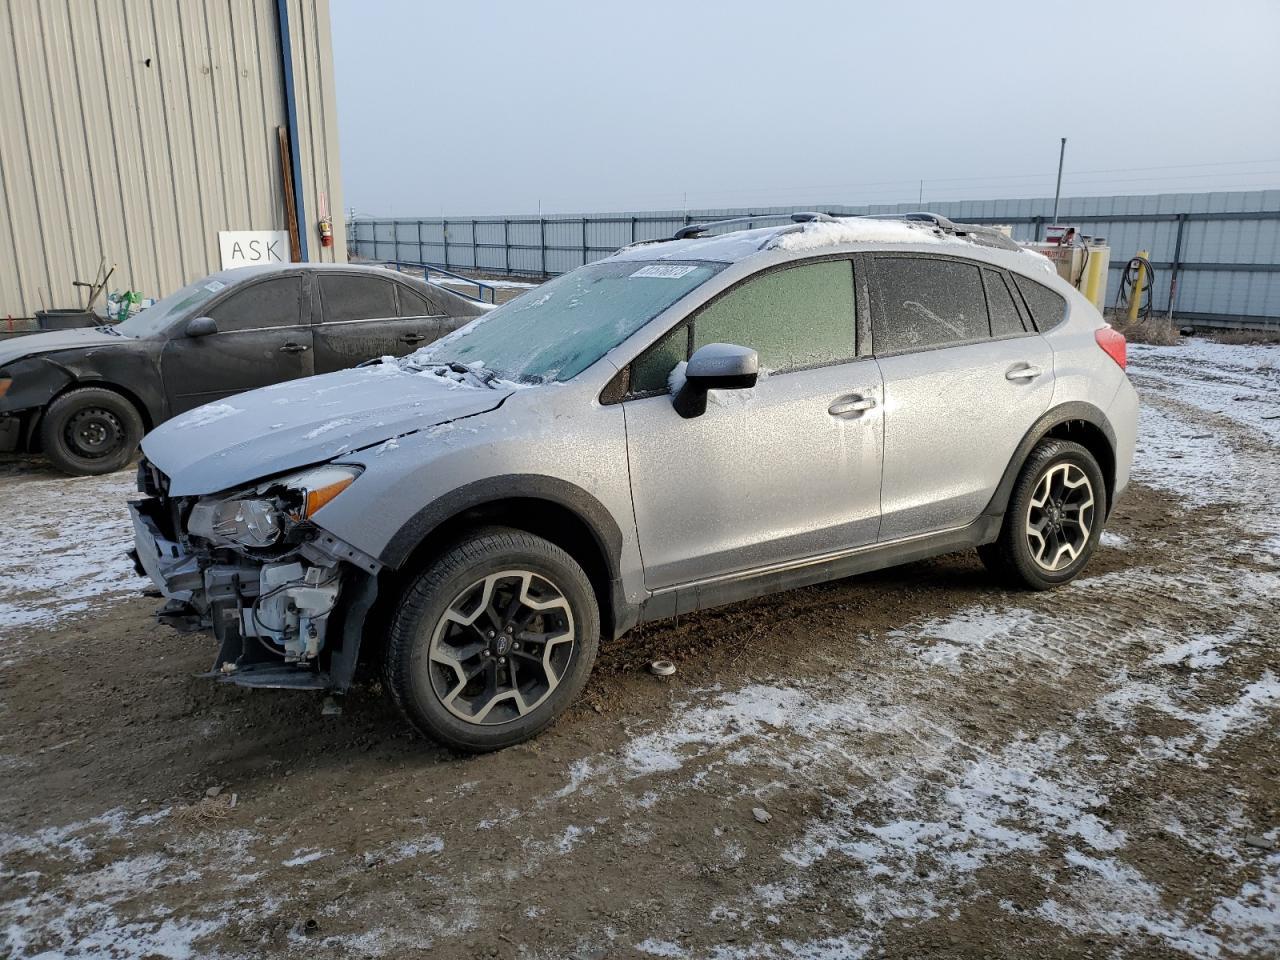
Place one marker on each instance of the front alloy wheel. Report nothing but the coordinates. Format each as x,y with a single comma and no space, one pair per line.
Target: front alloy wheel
492,641
501,647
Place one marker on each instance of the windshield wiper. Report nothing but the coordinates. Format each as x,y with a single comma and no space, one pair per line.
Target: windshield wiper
109,328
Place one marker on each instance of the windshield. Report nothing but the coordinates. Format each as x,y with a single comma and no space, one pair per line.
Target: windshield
557,330
160,314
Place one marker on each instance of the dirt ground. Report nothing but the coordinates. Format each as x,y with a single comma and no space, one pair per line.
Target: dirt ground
946,768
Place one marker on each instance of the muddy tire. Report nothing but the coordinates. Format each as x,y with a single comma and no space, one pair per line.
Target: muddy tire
1054,519
492,641
90,431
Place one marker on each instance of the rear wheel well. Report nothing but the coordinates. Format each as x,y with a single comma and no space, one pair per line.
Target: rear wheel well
1092,438
543,518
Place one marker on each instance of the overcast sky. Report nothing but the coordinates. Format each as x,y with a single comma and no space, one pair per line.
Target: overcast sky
493,108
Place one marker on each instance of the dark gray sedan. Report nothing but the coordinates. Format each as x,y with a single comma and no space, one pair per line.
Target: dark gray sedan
85,397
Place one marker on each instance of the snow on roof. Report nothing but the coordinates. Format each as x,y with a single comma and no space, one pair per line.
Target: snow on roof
738,245
829,233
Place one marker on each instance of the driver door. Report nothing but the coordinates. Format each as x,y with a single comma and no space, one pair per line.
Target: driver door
262,339
768,475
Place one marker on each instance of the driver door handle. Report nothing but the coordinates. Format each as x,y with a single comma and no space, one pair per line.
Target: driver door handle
1023,371
851,406
413,338
292,347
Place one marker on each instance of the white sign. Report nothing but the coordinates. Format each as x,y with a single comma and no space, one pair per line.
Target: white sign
667,271
247,248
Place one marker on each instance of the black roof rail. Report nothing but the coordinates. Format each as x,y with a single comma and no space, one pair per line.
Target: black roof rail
699,229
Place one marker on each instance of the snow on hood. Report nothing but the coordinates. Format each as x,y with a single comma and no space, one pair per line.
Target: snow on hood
295,424
859,230
16,348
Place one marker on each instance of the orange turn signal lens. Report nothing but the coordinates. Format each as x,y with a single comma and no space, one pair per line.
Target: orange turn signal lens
322,495
5,384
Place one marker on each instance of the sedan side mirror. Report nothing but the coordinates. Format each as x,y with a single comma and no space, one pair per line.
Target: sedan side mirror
717,366
202,327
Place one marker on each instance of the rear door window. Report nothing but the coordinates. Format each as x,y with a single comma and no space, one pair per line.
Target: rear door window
926,302
1005,319
348,297
414,304
794,318
1047,308
268,303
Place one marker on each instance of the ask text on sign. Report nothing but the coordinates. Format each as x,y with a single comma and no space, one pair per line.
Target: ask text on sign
247,248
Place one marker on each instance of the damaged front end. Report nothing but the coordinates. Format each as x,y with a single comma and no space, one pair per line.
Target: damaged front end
284,598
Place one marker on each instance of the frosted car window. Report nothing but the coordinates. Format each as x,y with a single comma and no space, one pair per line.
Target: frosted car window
927,303
650,370
793,318
271,303
357,298
413,304
1005,319
557,330
1048,309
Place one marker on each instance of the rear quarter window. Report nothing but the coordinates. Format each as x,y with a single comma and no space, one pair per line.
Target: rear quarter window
1047,308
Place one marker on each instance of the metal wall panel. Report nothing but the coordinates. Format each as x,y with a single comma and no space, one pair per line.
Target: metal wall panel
135,130
554,244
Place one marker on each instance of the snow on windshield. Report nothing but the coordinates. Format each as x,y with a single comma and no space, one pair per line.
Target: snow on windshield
555,332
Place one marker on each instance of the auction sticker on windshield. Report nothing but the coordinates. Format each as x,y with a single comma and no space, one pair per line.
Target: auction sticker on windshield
666,271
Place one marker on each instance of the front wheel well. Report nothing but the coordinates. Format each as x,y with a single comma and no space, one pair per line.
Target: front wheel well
1092,438
548,519
148,422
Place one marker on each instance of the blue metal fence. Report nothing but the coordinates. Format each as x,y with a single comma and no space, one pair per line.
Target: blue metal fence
1216,255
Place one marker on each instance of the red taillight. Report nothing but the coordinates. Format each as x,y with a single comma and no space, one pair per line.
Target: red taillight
1112,343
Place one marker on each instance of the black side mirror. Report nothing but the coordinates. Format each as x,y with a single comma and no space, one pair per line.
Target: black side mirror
717,366
202,327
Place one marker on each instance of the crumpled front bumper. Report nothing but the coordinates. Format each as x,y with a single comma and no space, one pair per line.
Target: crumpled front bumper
278,623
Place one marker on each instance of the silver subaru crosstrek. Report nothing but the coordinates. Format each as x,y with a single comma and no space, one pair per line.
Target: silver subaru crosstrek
686,423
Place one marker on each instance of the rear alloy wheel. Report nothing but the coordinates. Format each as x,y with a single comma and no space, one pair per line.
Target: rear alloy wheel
90,430
1053,520
492,641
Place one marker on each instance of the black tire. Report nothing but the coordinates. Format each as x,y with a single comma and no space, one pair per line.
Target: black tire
90,431
1012,557
416,682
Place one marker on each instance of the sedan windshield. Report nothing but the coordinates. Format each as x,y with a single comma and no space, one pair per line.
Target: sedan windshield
557,330
155,318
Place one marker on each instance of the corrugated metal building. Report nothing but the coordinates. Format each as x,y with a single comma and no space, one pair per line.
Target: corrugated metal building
136,130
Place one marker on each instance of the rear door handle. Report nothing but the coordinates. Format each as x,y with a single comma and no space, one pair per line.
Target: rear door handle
1023,371
851,407
292,347
413,338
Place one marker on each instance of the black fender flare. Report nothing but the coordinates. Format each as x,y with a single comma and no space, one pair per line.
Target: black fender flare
511,486
1063,413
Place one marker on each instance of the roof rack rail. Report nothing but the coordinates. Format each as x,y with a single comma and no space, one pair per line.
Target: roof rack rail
700,229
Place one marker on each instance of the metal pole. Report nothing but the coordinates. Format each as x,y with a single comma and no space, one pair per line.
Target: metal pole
542,240
1177,262
444,232
1057,191
506,246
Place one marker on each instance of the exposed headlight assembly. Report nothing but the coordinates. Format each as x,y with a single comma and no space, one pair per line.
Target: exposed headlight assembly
258,518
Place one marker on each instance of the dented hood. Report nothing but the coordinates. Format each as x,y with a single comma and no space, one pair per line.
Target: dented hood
290,425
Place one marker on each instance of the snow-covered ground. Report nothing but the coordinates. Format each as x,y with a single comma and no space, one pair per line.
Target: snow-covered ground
1015,762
